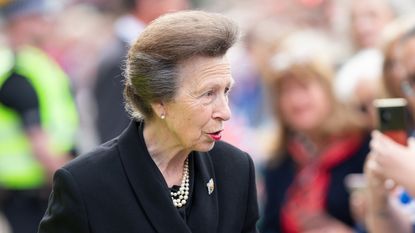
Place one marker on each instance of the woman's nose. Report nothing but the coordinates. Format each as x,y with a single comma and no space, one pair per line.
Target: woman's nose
222,110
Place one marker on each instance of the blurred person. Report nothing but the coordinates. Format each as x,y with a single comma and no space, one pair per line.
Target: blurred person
168,171
399,65
390,161
111,117
393,71
365,67
408,62
38,118
67,45
393,84
385,82
319,142
367,20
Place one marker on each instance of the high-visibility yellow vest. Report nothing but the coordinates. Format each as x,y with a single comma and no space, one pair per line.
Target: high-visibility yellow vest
19,168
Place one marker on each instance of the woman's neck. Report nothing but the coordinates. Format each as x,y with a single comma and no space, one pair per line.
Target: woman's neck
169,156
316,140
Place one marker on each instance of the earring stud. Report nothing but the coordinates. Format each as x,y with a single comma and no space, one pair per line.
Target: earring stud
162,116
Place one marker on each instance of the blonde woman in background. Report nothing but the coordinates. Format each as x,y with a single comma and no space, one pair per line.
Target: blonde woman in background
319,142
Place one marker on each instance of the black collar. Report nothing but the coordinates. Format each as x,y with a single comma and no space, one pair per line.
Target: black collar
153,194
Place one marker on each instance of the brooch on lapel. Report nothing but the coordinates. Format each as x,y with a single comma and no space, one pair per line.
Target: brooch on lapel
210,186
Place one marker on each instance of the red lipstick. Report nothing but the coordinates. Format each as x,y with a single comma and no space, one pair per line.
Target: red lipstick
216,136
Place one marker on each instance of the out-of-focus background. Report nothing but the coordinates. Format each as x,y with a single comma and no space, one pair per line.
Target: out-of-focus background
77,34
87,40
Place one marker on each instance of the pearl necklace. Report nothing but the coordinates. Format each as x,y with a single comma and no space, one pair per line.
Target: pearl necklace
180,197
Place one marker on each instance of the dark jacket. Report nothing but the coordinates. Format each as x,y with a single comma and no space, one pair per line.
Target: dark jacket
118,188
111,118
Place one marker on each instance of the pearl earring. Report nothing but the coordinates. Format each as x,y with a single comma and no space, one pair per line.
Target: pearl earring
162,116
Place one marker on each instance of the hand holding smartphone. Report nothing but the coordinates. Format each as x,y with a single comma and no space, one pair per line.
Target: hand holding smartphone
391,114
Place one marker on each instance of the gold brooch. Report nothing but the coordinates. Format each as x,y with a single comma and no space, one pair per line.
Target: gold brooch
210,186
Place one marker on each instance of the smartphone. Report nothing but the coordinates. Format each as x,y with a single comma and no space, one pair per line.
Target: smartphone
391,114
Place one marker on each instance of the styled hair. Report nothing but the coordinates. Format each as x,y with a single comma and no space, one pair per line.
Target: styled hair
153,62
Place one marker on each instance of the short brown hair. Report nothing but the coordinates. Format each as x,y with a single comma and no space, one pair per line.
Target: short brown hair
152,64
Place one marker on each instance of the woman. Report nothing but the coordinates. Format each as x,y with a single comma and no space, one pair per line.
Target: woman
319,143
388,209
168,171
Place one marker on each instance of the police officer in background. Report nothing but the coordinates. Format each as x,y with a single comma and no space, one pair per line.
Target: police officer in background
38,118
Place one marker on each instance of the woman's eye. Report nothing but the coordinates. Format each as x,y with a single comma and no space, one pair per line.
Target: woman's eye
208,97
209,93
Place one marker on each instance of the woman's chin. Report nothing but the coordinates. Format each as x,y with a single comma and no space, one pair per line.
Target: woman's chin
205,146
306,125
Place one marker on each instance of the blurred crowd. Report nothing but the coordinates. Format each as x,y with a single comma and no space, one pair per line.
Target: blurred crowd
306,71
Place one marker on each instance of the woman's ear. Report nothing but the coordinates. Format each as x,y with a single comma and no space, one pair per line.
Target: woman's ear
159,109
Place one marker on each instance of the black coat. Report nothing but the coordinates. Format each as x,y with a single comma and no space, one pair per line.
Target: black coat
118,188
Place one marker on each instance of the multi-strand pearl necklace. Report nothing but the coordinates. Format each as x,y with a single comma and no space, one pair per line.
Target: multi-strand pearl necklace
180,197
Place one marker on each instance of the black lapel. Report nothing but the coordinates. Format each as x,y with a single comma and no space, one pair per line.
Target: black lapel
204,215
148,183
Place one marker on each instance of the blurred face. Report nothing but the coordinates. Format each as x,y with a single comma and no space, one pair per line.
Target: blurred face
408,58
304,105
195,117
394,72
29,29
408,61
173,5
368,19
152,9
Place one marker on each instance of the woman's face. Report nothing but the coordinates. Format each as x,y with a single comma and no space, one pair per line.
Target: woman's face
408,61
304,105
408,58
394,72
195,117
368,18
